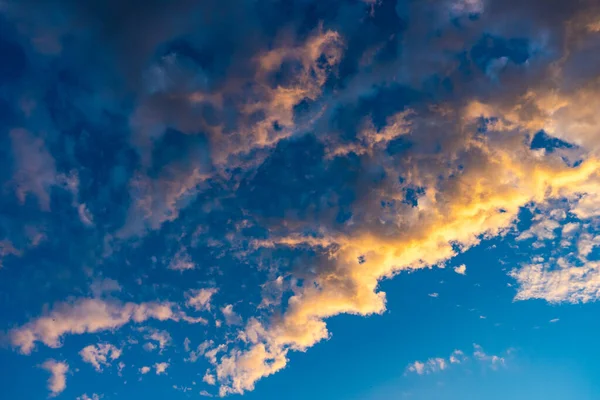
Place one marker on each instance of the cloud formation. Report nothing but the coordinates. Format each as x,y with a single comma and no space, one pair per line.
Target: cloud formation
87,316
438,364
100,355
308,153
57,382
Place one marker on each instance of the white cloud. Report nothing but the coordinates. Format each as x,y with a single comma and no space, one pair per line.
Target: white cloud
204,393
457,357
430,366
57,382
149,346
209,378
163,338
94,396
199,299
434,295
161,367
493,360
558,282
200,350
554,320
438,364
144,370
100,355
87,316
231,318
461,269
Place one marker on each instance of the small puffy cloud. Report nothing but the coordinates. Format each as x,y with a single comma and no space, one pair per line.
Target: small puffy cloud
57,382
438,364
199,299
120,367
161,367
6,249
100,355
182,261
554,320
94,396
231,318
144,370
461,269
430,366
457,357
434,295
149,346
209,378
204,393
163,338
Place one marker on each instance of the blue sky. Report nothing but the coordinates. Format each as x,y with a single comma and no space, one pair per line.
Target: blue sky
357,200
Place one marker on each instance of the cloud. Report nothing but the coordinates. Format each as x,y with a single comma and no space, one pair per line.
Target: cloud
564,272
88,316
94,396
554,320
439,364
209,378
161,368
200,350
493,360
199,299
35,167
100,355
6,249
350,159
231,318
558,282
430,366
57,382
461,269
144,370
100,287
163,338
181,261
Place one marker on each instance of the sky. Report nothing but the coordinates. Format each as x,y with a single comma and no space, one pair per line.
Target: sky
294,199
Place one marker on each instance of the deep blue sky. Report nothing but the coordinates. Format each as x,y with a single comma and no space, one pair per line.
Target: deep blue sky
354,200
